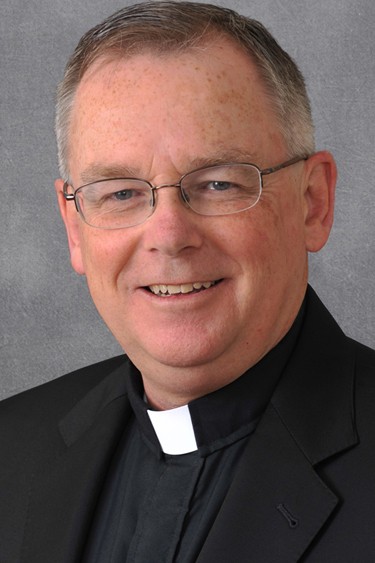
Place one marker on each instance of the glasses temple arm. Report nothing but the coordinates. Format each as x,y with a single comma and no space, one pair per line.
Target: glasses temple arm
283,165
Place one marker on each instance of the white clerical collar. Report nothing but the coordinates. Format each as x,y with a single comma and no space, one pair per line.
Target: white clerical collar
174,430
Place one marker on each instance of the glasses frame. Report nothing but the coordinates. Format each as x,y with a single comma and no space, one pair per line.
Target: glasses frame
261,172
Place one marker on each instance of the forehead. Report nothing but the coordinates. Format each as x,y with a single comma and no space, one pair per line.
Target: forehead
204,100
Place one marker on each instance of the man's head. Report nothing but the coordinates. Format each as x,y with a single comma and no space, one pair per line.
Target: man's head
159,90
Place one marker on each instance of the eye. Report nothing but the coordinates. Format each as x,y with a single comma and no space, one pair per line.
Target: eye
126,198
126,195
123,195
219,186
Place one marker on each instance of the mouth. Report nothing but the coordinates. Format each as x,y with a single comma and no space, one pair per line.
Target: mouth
166,290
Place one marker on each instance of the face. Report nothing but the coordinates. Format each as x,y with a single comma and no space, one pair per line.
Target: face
157,118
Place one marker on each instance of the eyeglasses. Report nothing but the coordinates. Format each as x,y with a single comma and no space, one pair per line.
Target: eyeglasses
223,189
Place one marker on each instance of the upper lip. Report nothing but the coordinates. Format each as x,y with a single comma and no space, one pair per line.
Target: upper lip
198,279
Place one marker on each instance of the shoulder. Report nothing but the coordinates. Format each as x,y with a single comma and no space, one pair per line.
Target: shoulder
29,421
54,398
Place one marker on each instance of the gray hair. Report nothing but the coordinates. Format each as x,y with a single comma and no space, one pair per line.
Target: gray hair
173,26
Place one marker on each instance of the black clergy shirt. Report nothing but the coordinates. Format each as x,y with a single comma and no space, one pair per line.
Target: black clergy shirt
158,507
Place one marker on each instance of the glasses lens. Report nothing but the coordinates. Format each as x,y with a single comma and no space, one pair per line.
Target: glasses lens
222,190
115,204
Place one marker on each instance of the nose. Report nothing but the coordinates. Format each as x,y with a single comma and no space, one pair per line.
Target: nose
173,227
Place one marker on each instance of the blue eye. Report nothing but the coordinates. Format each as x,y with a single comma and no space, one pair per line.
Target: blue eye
220,186
123,195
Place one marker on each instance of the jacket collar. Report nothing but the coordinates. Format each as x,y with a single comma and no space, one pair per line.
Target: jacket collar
315,398
84,414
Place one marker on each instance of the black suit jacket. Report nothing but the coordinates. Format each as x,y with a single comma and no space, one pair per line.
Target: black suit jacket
304,489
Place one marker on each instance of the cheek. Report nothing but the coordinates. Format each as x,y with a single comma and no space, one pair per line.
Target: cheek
104,256
273,246
256,233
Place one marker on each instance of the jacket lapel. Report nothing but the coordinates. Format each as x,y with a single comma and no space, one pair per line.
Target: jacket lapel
66,488
277,503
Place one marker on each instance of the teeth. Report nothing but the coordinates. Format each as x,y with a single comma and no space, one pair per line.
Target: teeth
186,288
173,289
166,289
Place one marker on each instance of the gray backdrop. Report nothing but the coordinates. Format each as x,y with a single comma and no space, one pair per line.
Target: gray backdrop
48,324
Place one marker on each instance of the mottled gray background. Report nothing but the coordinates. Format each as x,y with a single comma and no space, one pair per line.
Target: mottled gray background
48,324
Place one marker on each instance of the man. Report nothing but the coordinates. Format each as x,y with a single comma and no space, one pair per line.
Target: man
239,426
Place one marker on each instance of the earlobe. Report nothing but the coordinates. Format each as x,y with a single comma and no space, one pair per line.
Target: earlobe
320,183
71,220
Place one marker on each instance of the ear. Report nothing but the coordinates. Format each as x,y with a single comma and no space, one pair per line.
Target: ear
71,220
320,183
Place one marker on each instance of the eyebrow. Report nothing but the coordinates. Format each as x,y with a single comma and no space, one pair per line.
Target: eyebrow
222,157
99,171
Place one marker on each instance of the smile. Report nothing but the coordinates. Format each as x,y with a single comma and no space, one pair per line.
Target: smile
164,290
